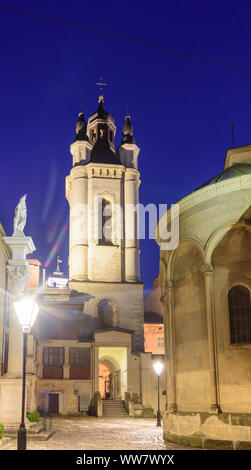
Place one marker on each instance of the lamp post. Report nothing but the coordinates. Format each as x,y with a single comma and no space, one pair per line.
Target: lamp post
26,309
158,366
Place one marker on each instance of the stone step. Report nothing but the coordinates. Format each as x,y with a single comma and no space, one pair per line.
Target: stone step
113,406
113,401
118,407
35,431
114,409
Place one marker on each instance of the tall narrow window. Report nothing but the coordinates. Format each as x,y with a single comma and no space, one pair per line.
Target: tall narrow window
239,315
93,134
105,312
106,222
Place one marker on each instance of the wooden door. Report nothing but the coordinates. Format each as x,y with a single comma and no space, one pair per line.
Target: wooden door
53,403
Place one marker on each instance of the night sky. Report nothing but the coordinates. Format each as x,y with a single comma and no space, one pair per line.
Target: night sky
182,109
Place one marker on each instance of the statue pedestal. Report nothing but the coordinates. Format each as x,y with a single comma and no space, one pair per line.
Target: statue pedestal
10,401
17,269
20,246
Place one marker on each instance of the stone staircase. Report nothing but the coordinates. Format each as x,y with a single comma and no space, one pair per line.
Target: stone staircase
114,409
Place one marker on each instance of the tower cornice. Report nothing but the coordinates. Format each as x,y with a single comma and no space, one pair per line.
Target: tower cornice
101,170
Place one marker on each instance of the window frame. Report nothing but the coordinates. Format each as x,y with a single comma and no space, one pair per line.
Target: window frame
237,335
106,241
54,348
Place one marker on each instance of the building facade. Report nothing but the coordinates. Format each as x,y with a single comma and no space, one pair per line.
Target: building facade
153,320
91,334
5,254
87,345
206,286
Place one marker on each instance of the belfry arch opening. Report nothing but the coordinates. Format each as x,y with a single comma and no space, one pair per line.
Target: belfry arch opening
113,372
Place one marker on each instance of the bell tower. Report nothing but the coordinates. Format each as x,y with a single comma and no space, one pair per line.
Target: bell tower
101,189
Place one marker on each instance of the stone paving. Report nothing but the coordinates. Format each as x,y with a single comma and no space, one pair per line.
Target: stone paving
89,433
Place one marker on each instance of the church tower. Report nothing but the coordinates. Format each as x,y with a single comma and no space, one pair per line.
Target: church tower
102,188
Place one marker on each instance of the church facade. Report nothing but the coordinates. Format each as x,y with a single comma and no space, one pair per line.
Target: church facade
206,287
87,346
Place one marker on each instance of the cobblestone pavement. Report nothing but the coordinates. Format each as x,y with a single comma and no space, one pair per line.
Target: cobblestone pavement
89,433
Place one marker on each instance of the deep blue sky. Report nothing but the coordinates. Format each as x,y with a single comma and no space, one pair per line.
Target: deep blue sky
181,109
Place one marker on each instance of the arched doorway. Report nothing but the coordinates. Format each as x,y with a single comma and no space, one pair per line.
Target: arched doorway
105,374
112,372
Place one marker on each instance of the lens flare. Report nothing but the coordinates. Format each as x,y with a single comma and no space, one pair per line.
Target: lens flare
5,292
56,246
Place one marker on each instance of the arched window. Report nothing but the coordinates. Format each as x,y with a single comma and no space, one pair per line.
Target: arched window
239,315
105,313
106,223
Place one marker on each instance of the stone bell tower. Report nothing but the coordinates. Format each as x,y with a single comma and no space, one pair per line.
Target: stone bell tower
101,189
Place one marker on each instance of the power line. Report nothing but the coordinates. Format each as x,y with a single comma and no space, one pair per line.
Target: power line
124,38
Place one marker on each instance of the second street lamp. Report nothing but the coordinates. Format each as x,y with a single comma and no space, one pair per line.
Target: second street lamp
158,366
26,309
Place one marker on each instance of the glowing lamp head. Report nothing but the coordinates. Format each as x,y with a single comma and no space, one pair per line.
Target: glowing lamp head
26,309
158,366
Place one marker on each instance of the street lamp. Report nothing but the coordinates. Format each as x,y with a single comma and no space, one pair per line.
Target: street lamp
26,309
158,366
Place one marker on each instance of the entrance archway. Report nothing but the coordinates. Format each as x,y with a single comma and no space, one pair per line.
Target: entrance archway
112,372
104,380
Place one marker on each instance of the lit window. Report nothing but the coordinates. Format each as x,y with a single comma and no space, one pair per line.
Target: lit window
160,342
93,134
106,223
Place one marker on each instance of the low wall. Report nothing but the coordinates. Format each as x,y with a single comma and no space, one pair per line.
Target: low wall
223,431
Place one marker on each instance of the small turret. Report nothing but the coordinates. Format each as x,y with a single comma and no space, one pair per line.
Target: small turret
128,131
128,151
81,128
81,148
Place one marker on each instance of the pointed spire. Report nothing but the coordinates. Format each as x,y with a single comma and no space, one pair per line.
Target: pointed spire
102,113
81,126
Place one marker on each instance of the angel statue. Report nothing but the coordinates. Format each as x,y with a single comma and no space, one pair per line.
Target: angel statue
20,216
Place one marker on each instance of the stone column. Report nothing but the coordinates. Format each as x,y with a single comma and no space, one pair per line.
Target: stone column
95,376
77,196
66,367
171,381
208,277
17,270
132,273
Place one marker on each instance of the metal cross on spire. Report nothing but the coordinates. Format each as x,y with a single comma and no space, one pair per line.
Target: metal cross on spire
101,84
